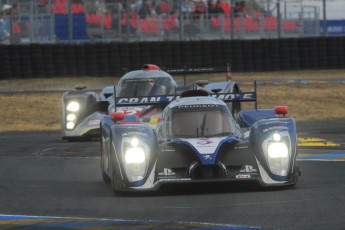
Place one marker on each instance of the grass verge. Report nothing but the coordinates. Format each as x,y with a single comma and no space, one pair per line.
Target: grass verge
23,111
317,102
30,111
64,83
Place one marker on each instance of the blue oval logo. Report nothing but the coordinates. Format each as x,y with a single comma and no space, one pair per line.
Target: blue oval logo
204,142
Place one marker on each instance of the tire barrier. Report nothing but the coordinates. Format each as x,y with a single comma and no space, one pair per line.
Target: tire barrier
25,61
48,65
14,62
37,61
113,59
6,69
80,60
71,60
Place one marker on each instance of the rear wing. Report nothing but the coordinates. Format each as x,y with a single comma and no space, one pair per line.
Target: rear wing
194,70
166,99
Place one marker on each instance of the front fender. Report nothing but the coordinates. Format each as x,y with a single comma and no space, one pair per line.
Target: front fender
87,101
121,138
261,136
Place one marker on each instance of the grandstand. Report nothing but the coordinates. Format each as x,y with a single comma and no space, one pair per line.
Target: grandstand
50,21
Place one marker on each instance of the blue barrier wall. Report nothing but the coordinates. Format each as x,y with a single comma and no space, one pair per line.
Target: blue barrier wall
334,27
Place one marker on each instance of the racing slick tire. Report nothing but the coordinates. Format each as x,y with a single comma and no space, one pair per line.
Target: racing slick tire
112,170
105,177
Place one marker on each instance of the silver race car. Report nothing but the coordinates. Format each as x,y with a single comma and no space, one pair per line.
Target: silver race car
82,110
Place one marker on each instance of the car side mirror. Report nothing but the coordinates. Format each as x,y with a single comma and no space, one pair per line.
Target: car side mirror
117,116
281,110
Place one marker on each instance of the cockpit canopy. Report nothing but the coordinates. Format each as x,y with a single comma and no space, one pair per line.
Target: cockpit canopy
138,87
199,120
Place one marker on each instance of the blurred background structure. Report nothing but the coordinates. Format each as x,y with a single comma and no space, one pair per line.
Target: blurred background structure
76,21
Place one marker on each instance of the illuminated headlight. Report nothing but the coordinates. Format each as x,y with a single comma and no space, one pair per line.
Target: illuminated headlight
278,158
71,117
135,158
70,125
277,137
73,106
135,155
134,142
277,150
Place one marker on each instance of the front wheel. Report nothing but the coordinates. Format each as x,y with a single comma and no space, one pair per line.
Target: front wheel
105,177
112,170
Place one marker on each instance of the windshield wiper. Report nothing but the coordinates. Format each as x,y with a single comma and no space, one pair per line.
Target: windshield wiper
202,128
135,90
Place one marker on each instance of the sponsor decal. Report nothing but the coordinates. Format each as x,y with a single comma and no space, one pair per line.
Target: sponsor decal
197,106
207,157
201,69
174,179
205,145
138,127
272,122
143,100
275,128
155,119
131,110
168,150
166,172
242,147
248,169
239,96
134,133
165,99
94,122
204,142
243,176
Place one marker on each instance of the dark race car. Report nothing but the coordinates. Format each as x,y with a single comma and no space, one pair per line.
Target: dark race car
198,140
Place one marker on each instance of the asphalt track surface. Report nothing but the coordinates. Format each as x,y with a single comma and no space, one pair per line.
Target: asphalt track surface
48,183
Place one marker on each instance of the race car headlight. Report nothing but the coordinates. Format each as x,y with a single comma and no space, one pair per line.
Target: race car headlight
70,125
277,150
134,155
134,142
135,158
277,137
278,158
71,117
73,106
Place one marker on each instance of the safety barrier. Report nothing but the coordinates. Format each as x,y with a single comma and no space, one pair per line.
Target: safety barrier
111,59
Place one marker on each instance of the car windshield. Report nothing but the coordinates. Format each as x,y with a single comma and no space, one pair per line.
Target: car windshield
194,121
142,87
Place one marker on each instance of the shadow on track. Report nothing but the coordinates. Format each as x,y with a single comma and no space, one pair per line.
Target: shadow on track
203,188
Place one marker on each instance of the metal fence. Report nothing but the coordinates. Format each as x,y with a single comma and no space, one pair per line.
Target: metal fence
54,21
